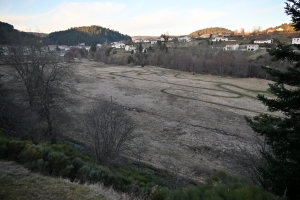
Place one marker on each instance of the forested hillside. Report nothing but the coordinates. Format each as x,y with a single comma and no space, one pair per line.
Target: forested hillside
9,34
212,30
87,34
5,28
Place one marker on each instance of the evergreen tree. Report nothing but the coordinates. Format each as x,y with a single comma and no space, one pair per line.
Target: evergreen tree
281,174
140,47
93,48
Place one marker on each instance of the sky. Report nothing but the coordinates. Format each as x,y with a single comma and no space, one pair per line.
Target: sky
143,18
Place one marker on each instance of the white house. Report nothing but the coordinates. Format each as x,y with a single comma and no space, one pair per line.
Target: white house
244,47
52,47
64,47
296,41
252,47
118,45
153,41
231,47
219,39
270,41
184,39
130,48
138,41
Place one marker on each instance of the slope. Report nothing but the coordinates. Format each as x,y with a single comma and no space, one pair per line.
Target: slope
16,182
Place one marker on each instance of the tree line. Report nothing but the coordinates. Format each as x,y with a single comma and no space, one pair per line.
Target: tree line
201,59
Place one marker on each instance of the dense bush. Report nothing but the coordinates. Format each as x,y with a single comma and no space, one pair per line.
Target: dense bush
63,160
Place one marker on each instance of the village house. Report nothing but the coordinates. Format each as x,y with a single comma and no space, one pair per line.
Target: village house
244,47
184,39
217,39
153,41
52,47
118,45
252,47
267,41
64,47
231,47
130,48
296,41
138,41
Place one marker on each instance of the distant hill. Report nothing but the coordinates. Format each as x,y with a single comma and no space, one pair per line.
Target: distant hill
8,33
86,34
5,30
286,27
212,30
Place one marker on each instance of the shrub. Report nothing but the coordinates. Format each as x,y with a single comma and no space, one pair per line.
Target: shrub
14,148
41,165
31,152
58,161
159,195
3,148
65,173
83,173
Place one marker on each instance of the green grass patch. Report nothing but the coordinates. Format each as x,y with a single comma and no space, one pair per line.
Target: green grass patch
37,187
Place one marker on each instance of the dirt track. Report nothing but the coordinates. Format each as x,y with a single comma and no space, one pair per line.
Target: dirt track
184,119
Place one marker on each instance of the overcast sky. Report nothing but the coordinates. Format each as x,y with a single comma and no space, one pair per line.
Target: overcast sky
139,17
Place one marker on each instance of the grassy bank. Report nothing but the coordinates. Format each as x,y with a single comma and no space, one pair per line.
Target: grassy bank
62,160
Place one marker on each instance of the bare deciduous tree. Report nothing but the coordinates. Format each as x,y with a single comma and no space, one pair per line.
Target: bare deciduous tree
41,72
139,150
15,116
109,130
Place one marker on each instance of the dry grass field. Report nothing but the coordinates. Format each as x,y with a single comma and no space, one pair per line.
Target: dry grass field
187,123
